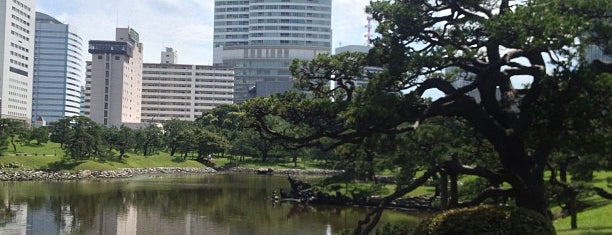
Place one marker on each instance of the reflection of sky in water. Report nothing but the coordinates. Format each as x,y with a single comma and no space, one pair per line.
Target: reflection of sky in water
213,204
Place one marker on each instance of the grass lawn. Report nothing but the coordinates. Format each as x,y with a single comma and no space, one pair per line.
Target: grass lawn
249,162
50,156
595,219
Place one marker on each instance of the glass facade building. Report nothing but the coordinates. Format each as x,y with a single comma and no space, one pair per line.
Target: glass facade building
59,70
260,38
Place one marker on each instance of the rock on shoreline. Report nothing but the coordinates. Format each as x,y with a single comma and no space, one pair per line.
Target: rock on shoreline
30,175
33,175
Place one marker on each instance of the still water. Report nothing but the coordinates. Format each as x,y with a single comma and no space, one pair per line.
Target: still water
209,204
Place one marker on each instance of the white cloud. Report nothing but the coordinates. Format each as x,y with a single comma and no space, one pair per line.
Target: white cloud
185,25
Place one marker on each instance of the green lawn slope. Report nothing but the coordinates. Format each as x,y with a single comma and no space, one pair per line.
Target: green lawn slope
50,156
597,217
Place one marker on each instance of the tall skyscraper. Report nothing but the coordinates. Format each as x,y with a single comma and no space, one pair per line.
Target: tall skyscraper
17,22
59,70
115,80
183,91
260,38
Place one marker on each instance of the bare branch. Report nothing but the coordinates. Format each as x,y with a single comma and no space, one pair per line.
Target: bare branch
602,193
371,222
436,83
486,194
535,58
493,177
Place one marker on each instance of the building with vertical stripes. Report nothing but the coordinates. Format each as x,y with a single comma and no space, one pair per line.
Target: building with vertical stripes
59,70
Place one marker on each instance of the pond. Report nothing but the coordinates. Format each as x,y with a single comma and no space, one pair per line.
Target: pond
208,204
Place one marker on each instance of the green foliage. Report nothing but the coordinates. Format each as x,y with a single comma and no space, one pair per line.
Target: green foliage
472,187
486,220
10,130
40,134
511,131
394,229
209,142
61,131
120,139
84,141
148,140
178,136
389,229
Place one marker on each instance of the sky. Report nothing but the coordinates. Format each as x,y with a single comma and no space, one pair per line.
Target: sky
185,25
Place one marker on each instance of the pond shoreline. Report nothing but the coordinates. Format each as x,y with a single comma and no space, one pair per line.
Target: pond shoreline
38,175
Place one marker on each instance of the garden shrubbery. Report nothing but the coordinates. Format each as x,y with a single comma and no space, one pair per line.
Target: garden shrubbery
486,219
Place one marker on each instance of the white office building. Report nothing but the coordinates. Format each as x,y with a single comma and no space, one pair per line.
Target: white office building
183,91
16,58
59,70
260,38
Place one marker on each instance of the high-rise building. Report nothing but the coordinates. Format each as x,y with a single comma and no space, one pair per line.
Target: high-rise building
183,91
169,56
59,70
115,79
17,22
260,38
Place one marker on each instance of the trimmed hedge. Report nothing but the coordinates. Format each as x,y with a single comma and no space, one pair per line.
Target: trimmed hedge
486,219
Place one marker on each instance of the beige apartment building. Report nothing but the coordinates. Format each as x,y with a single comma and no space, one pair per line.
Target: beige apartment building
183,91
114,79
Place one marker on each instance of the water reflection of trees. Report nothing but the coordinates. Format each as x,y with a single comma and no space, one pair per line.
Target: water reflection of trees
225,201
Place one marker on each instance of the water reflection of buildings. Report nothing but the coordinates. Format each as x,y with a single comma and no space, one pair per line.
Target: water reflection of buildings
26,220
14,219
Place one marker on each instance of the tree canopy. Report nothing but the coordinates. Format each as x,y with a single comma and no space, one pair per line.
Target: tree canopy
523,82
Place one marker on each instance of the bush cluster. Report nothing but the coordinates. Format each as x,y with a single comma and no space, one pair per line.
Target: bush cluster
486,219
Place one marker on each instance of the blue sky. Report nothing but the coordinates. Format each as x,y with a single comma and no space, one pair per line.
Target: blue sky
185,25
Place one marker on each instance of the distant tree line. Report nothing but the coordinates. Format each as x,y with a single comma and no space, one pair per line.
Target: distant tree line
221,132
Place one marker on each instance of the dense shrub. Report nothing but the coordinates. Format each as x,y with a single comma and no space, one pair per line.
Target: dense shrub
394,229
502,220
